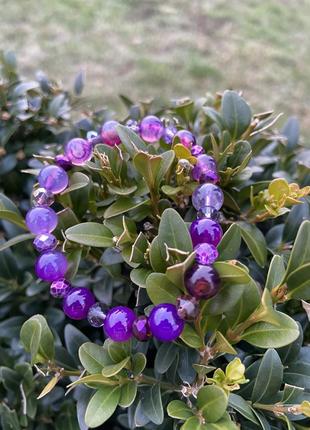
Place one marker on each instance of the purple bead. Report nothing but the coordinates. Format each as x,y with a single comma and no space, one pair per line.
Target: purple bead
169,133
53,178
109,134
51,266
165,323
186,138
97,314
63,161
205,170
187,307
133,125
202,282
197,150
60,288
205,230
151,129
206,254
77,302
42,197
41,220
208,195
208,212
78,151
45,242
118,323
141,329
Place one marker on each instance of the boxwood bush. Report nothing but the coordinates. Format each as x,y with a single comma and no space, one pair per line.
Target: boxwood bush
123,224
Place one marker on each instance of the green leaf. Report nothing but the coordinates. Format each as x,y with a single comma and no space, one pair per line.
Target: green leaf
222,344
77,180
132,142
74,338
276,272
93,357
228,295
15,240
176,272
269,378
229,246
255,241
190,337
300,253
48,387
138,363
212,403
236,113
165,356
242,406
102,406
139,276
233,273
298,283
93,381
128,394
152,405
160,289
90,234
114,369
38,339
298,374
139,248
158,263
179,410
118,351
9,212
148,166
173,232
167,160
123,205
246,305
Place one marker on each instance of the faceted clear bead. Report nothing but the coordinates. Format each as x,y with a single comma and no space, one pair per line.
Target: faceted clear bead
208,212
42,197
208,195
187,307
97,314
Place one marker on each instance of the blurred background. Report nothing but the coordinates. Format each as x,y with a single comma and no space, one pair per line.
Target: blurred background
170,48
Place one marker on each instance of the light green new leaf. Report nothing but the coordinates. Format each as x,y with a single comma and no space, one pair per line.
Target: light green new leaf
102,406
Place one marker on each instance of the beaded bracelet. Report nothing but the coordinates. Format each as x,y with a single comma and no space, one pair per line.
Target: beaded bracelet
165,321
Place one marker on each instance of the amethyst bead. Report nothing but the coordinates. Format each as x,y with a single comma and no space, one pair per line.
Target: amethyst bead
51,266
60,288
205,230
42,197
45,242
78,151
77,302
133,125
208,195
205,170
109,134
118,323
151,129
197,150
141,329
53,178
208,212
186,138
187,307
202,282
63,161
169,133
41,220
206,254
165,323
97,314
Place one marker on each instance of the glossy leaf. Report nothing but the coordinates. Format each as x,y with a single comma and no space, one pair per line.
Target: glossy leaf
90,234
102,406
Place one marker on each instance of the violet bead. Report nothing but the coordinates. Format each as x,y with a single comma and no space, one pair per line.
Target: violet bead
42,197
133,125
206,254
197,150
45,242
151,129
63,161
77,302
187,307
208,195
97,314
141,329
202,282
51,265
208,212
186,138
169,133
165,323
41,220
205,170
78,151
109,134
53,178
60,288
118,323
205,230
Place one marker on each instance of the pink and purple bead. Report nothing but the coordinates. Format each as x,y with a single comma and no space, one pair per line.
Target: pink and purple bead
186,138
53,178
118,323
206,254
78,151
151,129
41,220
109,133
202,282
197,150
165,323
60,288
51,266
45,242
97,314
77,302
42,197
62,161
205,230
208,195
141,329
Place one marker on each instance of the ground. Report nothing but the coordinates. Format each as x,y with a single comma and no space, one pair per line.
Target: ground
170,48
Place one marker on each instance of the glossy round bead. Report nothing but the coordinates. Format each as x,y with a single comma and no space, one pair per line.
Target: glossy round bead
60,288
118,323
78,151
206,254
141,329
77,302
133,125
97,314
165,323
45,242
51,265
208,195
187,307
205,230
197,150
208,212
53,178
42,197
109,134
151,129
202,282
205,170
62,161
186,138
41,220
169,133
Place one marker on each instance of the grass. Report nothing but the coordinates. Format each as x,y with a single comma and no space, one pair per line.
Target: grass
168,49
